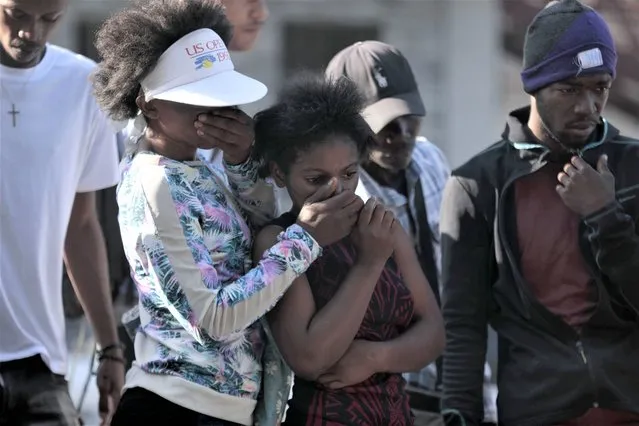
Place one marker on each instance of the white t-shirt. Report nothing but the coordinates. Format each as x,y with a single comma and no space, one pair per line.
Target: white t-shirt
61,144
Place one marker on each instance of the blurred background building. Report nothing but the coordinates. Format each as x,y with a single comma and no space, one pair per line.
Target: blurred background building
466,55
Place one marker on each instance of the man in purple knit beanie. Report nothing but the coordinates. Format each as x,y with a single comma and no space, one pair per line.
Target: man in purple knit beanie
539,238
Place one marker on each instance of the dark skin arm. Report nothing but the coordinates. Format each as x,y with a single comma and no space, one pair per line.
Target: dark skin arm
229,129
86,262
417,347
590,192
312,340
309,340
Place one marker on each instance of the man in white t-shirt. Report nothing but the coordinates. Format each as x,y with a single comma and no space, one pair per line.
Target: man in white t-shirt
56,150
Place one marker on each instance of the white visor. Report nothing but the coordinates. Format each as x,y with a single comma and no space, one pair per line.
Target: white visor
198,70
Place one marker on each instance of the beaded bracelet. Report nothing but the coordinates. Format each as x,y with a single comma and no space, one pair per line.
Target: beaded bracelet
104,356
111,358
111,347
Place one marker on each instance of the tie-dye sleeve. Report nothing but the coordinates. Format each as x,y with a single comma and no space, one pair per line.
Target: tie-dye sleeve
178,257
254,194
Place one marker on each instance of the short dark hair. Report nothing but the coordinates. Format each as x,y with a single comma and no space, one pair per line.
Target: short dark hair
311,108
131,42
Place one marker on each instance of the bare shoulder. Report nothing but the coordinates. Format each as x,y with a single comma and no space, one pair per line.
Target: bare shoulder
403,242
265,239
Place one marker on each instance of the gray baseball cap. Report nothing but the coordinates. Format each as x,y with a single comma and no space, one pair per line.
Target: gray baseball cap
384,77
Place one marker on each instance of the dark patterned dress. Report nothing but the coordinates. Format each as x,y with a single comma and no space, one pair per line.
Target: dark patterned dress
381,400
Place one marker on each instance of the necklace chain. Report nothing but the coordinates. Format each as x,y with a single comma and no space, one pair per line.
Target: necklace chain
13,111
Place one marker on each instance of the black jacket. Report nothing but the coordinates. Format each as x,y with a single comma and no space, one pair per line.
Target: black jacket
547,371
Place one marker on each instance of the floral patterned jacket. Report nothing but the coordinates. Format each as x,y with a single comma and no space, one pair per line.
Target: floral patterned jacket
201,343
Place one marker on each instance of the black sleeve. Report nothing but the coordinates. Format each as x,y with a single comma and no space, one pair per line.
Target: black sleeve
613,238
466,259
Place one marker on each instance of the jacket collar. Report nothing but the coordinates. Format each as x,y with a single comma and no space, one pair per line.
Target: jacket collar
519,136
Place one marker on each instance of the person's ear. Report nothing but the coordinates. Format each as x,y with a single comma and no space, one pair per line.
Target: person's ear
148,108
277,174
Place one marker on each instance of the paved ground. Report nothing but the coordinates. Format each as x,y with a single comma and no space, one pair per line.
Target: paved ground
79,369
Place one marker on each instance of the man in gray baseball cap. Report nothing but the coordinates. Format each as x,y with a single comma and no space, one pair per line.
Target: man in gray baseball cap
401,163
384,76
405,171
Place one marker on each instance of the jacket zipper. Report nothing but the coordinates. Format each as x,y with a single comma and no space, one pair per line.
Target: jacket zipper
506,247
500,229
595,394
579,343
509,255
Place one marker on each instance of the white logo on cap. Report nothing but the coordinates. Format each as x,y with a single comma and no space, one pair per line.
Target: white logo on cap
382,82
589,59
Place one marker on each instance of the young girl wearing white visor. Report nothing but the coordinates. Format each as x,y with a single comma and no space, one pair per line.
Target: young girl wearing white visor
199,350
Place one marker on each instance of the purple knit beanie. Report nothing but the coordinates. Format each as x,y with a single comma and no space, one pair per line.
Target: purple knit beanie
566,39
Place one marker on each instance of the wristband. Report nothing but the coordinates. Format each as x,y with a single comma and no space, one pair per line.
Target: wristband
111,347
112,358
